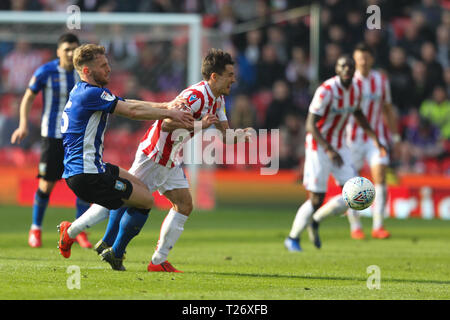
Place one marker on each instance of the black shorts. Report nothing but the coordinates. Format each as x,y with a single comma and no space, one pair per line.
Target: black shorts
51,165
106,189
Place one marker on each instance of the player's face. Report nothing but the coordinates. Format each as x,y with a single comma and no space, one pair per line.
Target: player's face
226,79
65,54
100,70
345,68
363,61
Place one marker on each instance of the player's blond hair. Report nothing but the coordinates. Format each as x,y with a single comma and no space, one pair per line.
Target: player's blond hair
85,54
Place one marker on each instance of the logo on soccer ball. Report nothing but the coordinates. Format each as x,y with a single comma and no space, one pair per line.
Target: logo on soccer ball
358,193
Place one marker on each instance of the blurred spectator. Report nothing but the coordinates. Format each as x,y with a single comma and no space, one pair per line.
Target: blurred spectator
298,66
355,27
431,12
327,68
146,70
19,65
269,68
243,114
400,78
337,35
422,142
253,46
420,89
411,42
447,80
121,49
443,50
276,37
173,70
280,106
377,41
9,121
56,5
434,75
419,19
292,141
437,110
95,5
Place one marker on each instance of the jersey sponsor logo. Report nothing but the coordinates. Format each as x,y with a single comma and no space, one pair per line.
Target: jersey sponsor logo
120,186
192,98
108,97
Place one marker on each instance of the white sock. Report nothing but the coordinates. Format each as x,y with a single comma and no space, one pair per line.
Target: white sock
302,219
353,218
171,229
35,227
379,206
335,206
92,216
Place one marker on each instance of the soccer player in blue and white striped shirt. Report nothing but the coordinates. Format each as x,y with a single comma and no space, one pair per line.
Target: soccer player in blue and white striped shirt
55,79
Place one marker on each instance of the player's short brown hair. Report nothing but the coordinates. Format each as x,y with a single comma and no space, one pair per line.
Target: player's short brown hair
215,61
85,54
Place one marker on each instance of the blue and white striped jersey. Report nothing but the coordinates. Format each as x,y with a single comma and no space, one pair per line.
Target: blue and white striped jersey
56,83
83,125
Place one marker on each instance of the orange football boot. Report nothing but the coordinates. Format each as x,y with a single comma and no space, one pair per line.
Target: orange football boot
65,242
83,240
380,233
358,234
34,238
163,267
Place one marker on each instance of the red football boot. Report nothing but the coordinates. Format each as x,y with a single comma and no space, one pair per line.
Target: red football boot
163,267
83,240
380,233
65,242
357,234
34,238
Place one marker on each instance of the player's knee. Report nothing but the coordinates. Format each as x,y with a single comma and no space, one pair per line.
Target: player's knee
317,199
184,207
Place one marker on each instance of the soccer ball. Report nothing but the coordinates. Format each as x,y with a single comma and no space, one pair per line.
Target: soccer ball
358,193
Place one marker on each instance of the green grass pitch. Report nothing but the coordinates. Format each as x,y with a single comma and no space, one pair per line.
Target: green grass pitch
231,254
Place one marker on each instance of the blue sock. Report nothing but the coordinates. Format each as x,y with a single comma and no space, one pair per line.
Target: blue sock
131,223
39,206
82,206
113,225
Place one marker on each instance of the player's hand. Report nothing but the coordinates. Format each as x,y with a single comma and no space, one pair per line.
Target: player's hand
335,157
179,103
184,118
208,120
382,149
18,135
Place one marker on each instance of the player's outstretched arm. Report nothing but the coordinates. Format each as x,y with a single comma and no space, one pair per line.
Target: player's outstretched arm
25,106
362,121
144,111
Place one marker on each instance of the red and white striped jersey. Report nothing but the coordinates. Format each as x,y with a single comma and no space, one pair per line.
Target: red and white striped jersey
335,104
375,93
159,146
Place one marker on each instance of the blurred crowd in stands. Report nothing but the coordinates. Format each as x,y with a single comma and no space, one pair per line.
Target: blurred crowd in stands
273,66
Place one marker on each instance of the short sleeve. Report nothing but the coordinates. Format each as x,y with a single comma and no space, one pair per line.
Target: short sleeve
38,80
221,112
100,99
321,99
195,100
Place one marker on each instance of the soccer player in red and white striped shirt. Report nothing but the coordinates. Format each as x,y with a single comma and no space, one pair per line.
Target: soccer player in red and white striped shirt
157,162
377,107
326,151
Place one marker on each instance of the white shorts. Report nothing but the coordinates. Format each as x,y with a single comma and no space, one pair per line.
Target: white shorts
369,152
156,176
318,168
